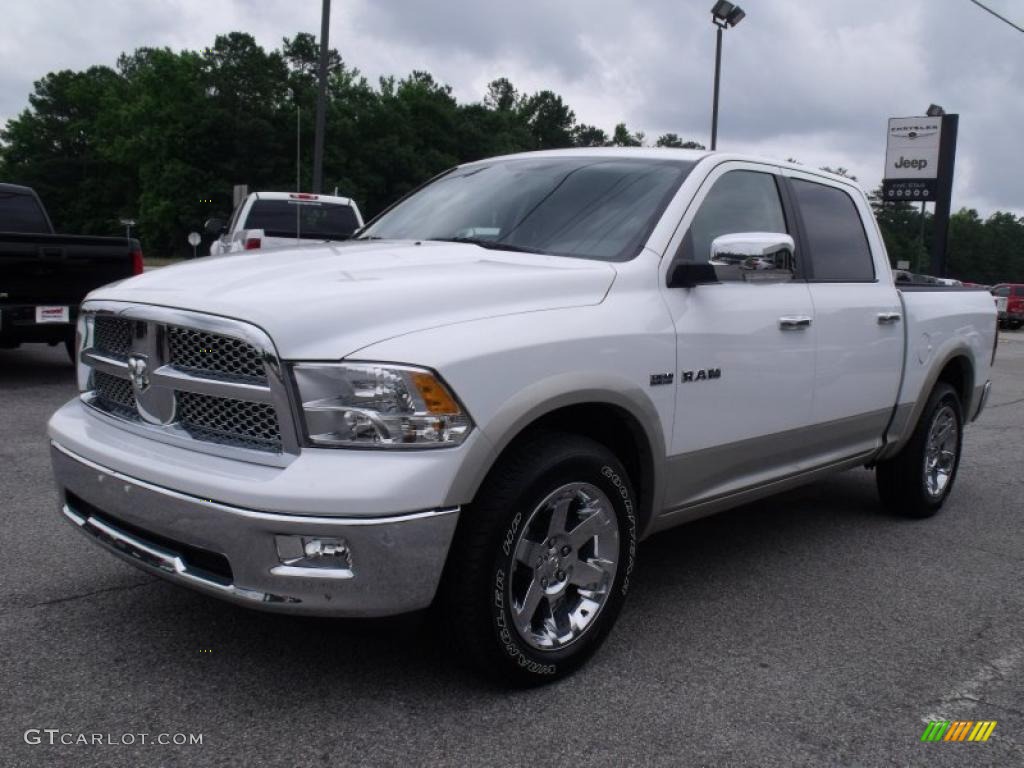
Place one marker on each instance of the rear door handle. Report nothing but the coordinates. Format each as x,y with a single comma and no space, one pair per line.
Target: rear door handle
888,318
794,322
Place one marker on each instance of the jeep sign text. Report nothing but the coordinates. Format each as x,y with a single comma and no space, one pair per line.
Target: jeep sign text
912,149
904,162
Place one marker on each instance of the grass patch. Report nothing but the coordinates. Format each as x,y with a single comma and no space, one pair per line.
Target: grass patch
160,261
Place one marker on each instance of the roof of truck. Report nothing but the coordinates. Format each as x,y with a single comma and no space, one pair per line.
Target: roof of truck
671,153
16,189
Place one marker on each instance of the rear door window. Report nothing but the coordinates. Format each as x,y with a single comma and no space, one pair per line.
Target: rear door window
832,226
302,218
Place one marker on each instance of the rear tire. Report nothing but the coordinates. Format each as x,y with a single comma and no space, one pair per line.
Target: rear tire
69,346
541,561
917,481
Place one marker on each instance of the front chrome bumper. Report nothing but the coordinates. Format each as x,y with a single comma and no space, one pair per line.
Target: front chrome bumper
233,553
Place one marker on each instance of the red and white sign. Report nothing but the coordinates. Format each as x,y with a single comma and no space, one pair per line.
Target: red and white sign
53,315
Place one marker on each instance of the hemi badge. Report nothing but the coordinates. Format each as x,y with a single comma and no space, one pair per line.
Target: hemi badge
657,379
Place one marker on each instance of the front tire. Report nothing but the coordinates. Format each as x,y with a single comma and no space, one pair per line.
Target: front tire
917,481
541,561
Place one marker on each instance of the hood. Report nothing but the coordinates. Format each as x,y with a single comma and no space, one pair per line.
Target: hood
327,301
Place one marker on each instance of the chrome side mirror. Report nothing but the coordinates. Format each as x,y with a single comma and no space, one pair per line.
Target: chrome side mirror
756,254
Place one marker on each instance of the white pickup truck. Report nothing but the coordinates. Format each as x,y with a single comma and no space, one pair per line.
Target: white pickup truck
275,219
488,423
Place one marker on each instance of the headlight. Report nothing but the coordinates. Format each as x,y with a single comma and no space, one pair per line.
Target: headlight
369,405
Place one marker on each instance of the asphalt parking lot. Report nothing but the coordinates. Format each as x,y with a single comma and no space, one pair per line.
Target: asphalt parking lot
809,629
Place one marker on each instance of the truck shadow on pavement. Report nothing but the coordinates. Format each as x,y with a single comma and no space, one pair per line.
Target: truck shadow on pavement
35,365
689,580
685,569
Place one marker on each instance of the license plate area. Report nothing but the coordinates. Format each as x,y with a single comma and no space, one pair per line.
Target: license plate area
52,313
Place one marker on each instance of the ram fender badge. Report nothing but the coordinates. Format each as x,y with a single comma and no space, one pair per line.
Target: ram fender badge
701,374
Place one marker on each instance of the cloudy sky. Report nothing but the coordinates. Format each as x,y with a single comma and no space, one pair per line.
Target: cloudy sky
809,79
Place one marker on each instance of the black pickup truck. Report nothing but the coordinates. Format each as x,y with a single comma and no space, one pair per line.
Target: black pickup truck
44,276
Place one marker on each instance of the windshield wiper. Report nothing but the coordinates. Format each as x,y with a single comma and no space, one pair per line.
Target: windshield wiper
494,245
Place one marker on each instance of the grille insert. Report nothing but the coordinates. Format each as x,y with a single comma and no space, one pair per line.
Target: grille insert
230,422
112,335
221,374
115,395
214,355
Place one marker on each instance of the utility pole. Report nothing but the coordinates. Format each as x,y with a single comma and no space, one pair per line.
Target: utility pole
944,198
723,15
321,100
714,105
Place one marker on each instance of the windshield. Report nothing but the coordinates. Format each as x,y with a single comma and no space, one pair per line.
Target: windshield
590,207
316,221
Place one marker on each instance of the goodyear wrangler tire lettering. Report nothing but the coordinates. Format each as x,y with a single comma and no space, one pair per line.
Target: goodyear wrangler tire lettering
624,492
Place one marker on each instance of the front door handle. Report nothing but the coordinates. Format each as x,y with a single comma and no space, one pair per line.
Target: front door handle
794,322
888,318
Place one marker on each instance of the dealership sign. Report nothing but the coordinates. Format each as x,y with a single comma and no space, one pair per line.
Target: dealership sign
912,158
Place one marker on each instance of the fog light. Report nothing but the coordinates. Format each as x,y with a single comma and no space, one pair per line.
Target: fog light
314,552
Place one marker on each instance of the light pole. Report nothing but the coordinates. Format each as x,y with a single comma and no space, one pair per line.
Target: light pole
723,15
321,99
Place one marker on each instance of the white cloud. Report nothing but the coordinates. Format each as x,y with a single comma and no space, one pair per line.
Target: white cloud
811,80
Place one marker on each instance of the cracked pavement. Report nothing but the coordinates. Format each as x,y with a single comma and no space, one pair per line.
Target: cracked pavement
807,629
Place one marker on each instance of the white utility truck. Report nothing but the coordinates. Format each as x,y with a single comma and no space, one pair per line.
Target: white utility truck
275,219
504,383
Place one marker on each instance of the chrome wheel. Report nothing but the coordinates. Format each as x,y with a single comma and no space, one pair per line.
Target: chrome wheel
940,451
564,565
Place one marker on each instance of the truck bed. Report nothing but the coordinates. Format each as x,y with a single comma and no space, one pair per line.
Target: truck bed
48,270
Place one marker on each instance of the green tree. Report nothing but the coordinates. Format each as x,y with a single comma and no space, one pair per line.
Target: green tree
60,146
550,120
839,171
900,224
589,136
621,137
162,138
502,96
673,140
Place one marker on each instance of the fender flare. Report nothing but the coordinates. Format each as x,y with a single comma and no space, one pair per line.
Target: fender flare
547,396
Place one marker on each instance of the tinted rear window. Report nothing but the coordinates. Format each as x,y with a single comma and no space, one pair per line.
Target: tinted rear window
279,218
835,234
21,213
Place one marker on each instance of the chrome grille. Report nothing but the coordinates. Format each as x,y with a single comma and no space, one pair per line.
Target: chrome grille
113,336
115,395
215,355
205,382
230,422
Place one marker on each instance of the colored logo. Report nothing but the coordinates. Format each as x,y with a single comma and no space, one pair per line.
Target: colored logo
958,730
